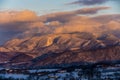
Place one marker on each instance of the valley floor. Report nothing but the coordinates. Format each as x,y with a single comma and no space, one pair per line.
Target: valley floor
99,73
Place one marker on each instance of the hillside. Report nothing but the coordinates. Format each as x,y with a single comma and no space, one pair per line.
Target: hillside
65,48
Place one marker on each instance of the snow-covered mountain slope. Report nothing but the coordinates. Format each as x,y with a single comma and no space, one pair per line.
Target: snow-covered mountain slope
65,48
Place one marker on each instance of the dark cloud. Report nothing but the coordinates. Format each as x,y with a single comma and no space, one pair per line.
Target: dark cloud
88,2
91,10
65,16
15,23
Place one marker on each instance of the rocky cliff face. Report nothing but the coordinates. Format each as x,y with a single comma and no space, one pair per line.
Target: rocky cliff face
65,48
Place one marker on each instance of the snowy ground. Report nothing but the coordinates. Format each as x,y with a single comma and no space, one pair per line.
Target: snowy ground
77,74
15,76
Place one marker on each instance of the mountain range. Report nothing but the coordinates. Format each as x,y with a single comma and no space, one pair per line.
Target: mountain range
59,48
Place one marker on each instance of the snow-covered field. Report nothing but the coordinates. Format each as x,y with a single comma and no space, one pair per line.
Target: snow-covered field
77,74
15,76
42,70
